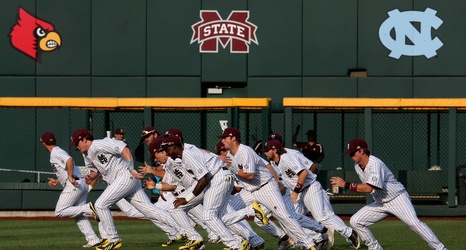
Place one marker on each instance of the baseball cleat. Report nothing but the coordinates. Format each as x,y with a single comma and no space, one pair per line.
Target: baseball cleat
331,238
214,241
168,243
111,245
94,213
90,245
259,247
324,242
260,214
245,245
193,245
285,244
354,240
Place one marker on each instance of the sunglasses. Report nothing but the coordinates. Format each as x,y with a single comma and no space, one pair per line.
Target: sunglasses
352,154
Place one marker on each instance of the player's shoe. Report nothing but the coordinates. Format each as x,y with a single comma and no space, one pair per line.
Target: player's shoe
91,205
331,237
168,243
245,245
321,244
260,214
104,242
90,245
111,245
285,244
193,245
354,240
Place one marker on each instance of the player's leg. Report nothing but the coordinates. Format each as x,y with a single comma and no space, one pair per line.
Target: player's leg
402,208
365,217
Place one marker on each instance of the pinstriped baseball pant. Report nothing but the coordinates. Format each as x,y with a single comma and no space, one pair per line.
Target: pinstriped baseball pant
402,208
72,204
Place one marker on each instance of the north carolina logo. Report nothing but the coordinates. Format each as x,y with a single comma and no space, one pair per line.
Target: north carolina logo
236,30
33,36
422,42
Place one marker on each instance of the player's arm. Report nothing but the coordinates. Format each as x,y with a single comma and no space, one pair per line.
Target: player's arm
248,176
355,187
126,153
150,184
69,170
200,186
302,176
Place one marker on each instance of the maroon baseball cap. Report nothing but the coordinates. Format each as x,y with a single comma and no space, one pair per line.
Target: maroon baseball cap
48,137
276,136
355,145
174,131
154,146
148,131
219,147
119,131
230,132
170,140
78,135
272,144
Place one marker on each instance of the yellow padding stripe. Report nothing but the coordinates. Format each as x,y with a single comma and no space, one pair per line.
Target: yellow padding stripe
375,102
133,102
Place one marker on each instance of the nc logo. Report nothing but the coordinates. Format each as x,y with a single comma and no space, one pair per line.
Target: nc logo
422,42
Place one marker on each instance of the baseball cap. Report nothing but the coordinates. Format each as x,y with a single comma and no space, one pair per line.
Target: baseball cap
355,145
148,131
276,136
170,140
174,131
119,131
48,137
78,135
219,147
272,144
230,132
154,146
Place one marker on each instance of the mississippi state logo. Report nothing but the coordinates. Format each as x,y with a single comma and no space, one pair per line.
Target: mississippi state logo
421,42
236,30
33,36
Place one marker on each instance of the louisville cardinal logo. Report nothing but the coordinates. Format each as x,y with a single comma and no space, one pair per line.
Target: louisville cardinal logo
33,36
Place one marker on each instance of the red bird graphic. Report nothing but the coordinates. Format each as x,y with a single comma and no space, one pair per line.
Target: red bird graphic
33,36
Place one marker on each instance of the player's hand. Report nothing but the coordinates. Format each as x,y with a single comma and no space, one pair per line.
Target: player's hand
137,175
225,159
294,197
337,181
53,182
88,179
179,201
149,183
73,182
282,188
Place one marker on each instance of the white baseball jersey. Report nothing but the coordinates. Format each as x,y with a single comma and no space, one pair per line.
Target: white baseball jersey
58,159
392,198
247,159
105,156
72,200
289,168
377,174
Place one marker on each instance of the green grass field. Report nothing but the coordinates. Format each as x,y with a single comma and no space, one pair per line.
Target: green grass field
141,235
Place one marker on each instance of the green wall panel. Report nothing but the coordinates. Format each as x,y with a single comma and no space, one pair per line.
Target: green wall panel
279,33
18,86
385,87
119,38
451,58
274,88
118,87
71,20
63,87
24,65
169,32
36,199
372,54
329,37
173,87
330,87
439,87
10,199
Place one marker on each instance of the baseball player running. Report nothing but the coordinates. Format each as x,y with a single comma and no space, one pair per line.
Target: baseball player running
390,197
256,179
112,160
72,200
306,190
